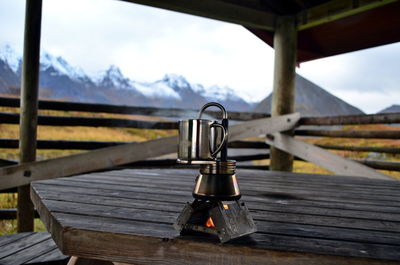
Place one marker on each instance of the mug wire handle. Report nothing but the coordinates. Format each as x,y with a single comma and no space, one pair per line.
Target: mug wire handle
224,117
214,104
224,138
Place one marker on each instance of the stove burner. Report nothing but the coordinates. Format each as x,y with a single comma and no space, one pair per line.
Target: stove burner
225,219
216,209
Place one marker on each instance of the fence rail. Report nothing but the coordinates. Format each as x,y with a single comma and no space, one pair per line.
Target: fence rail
13,118
387,118
90,145
350,134
115,109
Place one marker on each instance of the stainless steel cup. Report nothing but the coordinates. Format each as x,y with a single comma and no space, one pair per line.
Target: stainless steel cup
197,143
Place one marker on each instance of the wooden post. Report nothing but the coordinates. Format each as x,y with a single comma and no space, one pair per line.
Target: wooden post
29,106
283,97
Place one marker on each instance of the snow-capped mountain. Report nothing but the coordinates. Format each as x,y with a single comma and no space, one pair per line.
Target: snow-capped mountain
60,65
9,56
60,80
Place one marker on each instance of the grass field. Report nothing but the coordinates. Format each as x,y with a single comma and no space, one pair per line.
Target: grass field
124,134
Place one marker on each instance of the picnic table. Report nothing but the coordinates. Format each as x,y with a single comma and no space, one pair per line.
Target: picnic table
127,215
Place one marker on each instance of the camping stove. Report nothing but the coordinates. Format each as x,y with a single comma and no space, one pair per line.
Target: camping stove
217,209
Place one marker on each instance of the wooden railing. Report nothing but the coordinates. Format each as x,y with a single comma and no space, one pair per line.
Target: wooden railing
363,120
260,145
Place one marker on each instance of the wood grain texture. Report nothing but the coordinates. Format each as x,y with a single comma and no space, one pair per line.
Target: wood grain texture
322,158
351,134
283,96
126,216
29,248
29,106
386,118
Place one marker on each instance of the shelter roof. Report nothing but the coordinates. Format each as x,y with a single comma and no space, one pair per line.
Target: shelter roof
325,28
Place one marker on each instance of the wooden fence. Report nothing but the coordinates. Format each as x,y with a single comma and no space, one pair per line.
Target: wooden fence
260,147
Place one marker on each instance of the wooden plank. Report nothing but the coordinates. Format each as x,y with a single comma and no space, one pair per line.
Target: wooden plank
61,144
29,106
22,244
375,149
5,162
7,239
321,179
90,145
121,109
350,134
283,95
387,118
386,165
123,195
298,227
335,10
172,251
119,232
261,127
32,252
258,195
273,181
322,158
50,257
250,188
221,10
11,118
14,176
175,204
11,214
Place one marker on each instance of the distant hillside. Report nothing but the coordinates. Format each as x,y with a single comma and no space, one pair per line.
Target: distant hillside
312,100
391,109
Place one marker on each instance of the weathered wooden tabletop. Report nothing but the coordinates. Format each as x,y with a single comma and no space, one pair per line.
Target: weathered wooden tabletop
127,216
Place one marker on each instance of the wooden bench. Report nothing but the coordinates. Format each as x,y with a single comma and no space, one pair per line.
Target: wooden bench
30,248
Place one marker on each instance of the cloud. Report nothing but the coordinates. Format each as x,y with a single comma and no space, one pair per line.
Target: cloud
148,42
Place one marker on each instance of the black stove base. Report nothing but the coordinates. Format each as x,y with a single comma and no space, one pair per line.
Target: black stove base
225,219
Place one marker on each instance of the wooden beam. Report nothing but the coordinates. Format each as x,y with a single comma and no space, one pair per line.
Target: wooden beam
395,134
334,10
322,158
12,118
384,118
14,176
375,149
90,145
108,108
29,107
219,10
283,96
261,127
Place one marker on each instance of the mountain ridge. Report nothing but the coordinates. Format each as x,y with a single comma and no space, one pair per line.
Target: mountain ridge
312,100
58,79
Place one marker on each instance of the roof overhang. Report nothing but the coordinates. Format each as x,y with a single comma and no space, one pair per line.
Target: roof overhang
325,28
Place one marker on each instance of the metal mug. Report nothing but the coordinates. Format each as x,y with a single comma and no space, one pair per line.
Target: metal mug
198,141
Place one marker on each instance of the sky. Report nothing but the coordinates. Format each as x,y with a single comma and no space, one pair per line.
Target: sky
146,43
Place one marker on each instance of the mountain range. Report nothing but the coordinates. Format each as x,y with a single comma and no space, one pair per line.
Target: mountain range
59,80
